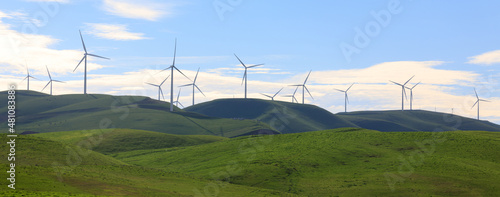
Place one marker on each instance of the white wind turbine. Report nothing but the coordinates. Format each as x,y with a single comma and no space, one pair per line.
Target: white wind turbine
304,88
403,92
272,97
194,85
28,76
477,102
346,98
411,95
160,91
85,69
177,103
172,67
50,81
245,74
293,95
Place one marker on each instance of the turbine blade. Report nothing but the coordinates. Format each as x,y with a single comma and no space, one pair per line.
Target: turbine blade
24,79
409,80
152,84
48,72
415,85
175,52
266,95
182,73
309,92
185,85
347,98
164,80
98,56
196,76
180,104
307,77
46,85
295,99
161,91
396,83
255,65
199,89
240,60
83,43
404,92
339,90
484,100
349,87
278,92
295,90
244,76
178,94
476,93
475,104
79,62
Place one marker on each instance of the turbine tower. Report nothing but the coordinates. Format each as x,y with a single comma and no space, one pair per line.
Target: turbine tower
28,76
304,88
477,102
346,98
194,85
272,97
177,103
50,81
411,95
245,74
172,78
85,69
159,88
403,92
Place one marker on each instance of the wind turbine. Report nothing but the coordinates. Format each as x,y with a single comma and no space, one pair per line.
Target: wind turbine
28,76
403,92
245,74
293,95
272,97
50,81
85,58
177,103
159,88
172,67
304,88
411,95
477,102
194,85
346,98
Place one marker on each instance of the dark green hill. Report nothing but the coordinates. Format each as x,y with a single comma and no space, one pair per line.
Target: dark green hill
416,120
344,162
283,116
44,113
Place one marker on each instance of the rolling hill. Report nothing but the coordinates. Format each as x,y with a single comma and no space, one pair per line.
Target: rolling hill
283,116
416,120
292,117
343,162
40,112
54,168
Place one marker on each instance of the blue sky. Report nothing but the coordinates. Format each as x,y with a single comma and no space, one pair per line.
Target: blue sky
450,47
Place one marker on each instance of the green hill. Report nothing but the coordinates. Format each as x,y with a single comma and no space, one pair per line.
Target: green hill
51,168
283,116
416,120
109,141
343,162
44,113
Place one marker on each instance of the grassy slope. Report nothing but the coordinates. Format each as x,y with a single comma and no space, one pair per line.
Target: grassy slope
109,141
346,161
43,113
416,120
88,173
283,116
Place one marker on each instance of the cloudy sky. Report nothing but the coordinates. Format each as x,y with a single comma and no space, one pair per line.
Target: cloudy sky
451,48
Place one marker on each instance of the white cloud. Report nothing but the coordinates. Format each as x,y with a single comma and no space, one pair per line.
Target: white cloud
113,32
137,9
487,58
18,49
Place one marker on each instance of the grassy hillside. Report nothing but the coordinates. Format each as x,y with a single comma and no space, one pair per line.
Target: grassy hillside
120,140
344,162
416,120
44,113
50,168
282,116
